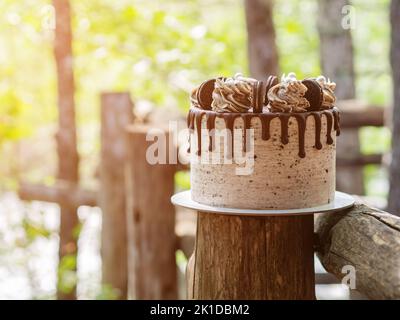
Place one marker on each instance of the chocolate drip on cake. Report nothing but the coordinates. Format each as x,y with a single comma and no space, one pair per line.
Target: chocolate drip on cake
284,127
229,122
317,119
336,116
198,119
211,128
329,120
332,116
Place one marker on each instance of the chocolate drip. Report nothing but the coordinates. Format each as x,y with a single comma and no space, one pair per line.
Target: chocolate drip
247,123
284,128
265,123
301,122
332,117
336,117
317,118
211,127
229,122
190,120
329,120
199,118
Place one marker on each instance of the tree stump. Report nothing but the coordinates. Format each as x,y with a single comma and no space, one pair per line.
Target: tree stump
242,257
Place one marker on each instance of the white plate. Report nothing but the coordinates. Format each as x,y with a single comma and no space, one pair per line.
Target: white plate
341,201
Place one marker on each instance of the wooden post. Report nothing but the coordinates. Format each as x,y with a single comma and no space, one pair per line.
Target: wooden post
336,52
252,258
262,50
68,159
151,219
394,193
116,115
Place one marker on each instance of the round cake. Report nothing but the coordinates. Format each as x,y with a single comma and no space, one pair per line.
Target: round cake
263,145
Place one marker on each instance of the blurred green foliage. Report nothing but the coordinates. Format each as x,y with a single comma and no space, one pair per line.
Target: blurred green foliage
159,50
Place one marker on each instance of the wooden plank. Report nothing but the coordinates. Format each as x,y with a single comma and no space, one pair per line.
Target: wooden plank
63,193
360,160
356,115
394,173
252,258
367,239
262,50
151,219
116,115
68,159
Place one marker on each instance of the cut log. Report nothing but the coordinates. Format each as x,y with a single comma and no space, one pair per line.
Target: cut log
262,50
252,258
151,218
63,193
394,193
367,239
68,159
116,115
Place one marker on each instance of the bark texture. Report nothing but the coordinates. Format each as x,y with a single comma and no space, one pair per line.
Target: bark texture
252,258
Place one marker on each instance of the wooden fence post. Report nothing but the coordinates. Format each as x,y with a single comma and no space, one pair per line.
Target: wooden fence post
68,159
151,219
116,115
238,257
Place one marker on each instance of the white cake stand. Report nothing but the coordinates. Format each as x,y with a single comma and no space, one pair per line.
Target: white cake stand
340,202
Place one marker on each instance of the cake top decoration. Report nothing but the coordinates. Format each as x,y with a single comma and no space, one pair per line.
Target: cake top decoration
288,96
328,89
232,94
314,94
240,94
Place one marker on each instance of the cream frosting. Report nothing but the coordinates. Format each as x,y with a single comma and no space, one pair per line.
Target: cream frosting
232,94
328,89
288,96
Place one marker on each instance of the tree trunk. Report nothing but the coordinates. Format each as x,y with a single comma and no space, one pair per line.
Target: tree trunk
68,159
336,52
116,115
336,47
394,194
262,50
151,219
252,258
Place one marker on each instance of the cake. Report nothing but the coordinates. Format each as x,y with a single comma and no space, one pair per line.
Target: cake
263,144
